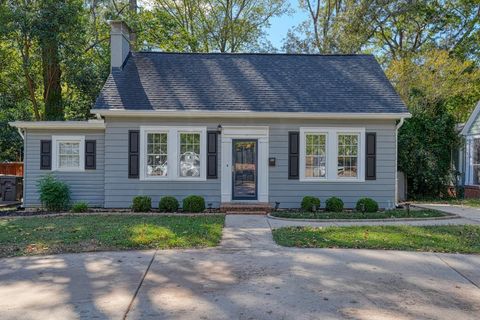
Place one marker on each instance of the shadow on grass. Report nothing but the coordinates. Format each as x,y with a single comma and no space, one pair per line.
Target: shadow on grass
45,235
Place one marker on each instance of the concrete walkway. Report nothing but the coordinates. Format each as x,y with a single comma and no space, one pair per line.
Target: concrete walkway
247,277
469,213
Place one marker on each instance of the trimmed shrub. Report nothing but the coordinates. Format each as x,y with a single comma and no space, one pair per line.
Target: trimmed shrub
308,202
168,204
193,204
79,207
142,204
54,194
367,205
334,204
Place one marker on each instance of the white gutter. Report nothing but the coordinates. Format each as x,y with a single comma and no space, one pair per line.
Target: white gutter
249,114
66,125
397,127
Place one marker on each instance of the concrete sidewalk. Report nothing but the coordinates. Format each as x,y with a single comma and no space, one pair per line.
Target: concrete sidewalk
242,284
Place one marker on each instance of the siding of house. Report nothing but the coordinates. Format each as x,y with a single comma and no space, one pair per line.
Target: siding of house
475,127
119,190
85,186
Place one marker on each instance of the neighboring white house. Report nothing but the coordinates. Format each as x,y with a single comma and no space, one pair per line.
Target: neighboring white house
469,159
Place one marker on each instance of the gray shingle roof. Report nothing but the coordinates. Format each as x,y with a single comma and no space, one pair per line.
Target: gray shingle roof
250,82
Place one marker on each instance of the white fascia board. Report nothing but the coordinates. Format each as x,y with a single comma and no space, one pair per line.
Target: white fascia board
63,125
249,114
471,119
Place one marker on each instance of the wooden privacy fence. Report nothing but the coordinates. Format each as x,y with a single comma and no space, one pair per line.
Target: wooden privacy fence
11,168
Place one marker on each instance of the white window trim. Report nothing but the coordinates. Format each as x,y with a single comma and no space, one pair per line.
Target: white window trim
332,134
470,152
173,147
55,163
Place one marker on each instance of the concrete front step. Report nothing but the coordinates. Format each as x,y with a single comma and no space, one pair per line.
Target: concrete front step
245,208
247,212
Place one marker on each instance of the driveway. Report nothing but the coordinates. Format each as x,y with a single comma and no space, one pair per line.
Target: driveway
247,277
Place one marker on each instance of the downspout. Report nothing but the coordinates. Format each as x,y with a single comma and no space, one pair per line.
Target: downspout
24,137
397,127
21,133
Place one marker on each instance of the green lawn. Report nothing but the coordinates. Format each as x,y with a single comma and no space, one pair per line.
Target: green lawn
44,235
461,239
360,215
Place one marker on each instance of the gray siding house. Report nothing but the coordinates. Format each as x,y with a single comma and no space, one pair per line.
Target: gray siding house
243,128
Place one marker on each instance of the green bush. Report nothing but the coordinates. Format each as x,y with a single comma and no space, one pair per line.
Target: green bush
54,194
79,207
334,204
193,204
367,205
425,142
141,204
168,204
308,202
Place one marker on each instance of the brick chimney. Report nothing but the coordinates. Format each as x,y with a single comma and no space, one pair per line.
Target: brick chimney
120,36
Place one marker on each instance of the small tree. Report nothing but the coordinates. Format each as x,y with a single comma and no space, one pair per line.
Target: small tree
425,145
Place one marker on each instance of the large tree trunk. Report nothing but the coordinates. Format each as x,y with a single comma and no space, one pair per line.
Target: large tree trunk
52,92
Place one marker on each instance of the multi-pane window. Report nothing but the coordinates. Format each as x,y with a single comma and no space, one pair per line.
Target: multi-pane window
173,153
315,156
68,155
331,154
347,166
189,155
157,153
476,161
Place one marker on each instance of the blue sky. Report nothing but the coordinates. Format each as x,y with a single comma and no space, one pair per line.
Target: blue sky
280,25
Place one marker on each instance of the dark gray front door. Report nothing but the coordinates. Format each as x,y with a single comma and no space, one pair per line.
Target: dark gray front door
244,173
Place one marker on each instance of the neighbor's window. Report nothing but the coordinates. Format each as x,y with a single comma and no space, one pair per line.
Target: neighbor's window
476,161
68,153
189,155
157,154
315,155
347,164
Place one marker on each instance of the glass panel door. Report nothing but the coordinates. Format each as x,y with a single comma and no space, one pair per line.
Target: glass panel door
244,170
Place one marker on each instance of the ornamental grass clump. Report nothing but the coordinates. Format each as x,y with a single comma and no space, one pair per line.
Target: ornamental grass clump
79,207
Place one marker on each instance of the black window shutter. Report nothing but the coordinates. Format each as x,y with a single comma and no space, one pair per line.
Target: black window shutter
90,154
212,157
46,155
133,154
371,156
293,155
